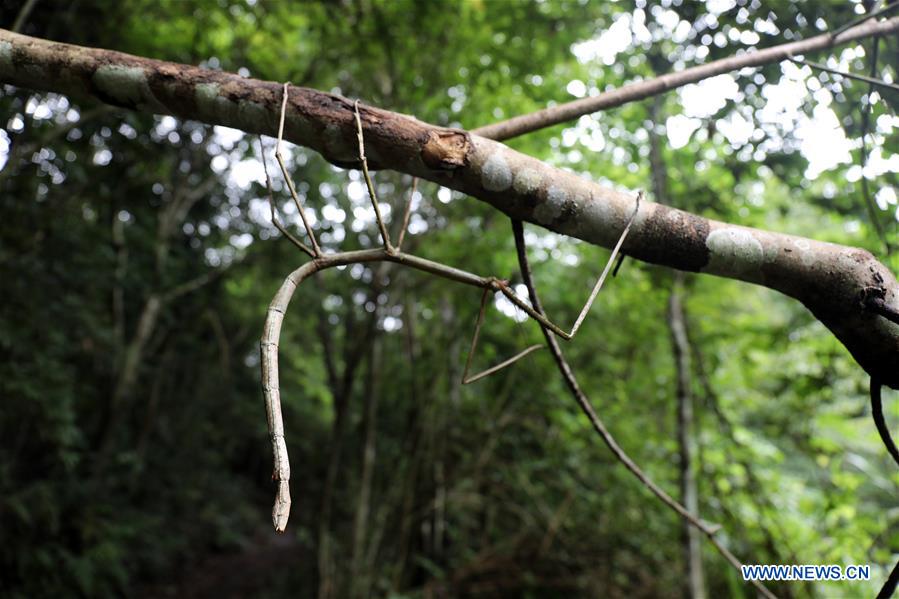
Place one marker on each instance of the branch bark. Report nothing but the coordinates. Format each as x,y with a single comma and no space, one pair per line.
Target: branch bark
830,280
685,441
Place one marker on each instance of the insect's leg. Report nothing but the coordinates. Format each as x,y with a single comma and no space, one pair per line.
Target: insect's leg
385,236
271,205
407,214
548,324
474,344
316,250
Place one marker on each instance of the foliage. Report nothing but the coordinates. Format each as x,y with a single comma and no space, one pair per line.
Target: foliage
158,484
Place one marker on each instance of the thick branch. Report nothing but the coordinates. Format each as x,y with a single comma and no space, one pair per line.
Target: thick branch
831,280
640,90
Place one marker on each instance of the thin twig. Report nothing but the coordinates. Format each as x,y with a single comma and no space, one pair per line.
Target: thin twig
640,90
607,438
385,236
863,18
605,271
866,125
847,75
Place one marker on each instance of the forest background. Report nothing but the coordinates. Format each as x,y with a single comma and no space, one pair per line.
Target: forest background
137,260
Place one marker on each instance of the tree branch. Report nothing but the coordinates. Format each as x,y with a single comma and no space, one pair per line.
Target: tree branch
640,90
864,78
865,17
829,279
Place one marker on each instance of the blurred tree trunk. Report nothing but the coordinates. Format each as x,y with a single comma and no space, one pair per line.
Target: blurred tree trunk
680,346
356,345
685,436
415,425
361,576
132,353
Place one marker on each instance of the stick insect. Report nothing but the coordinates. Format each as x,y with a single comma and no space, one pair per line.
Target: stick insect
386,253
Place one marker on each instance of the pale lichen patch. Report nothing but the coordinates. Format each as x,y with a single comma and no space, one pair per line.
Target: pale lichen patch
6,56
206,93
846,260
214,105
127,85
551,208
805,255
255,116
527,180
338,148
598,218
733,251
496,174
571,215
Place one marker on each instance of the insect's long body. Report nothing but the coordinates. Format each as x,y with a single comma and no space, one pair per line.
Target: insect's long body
320,261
